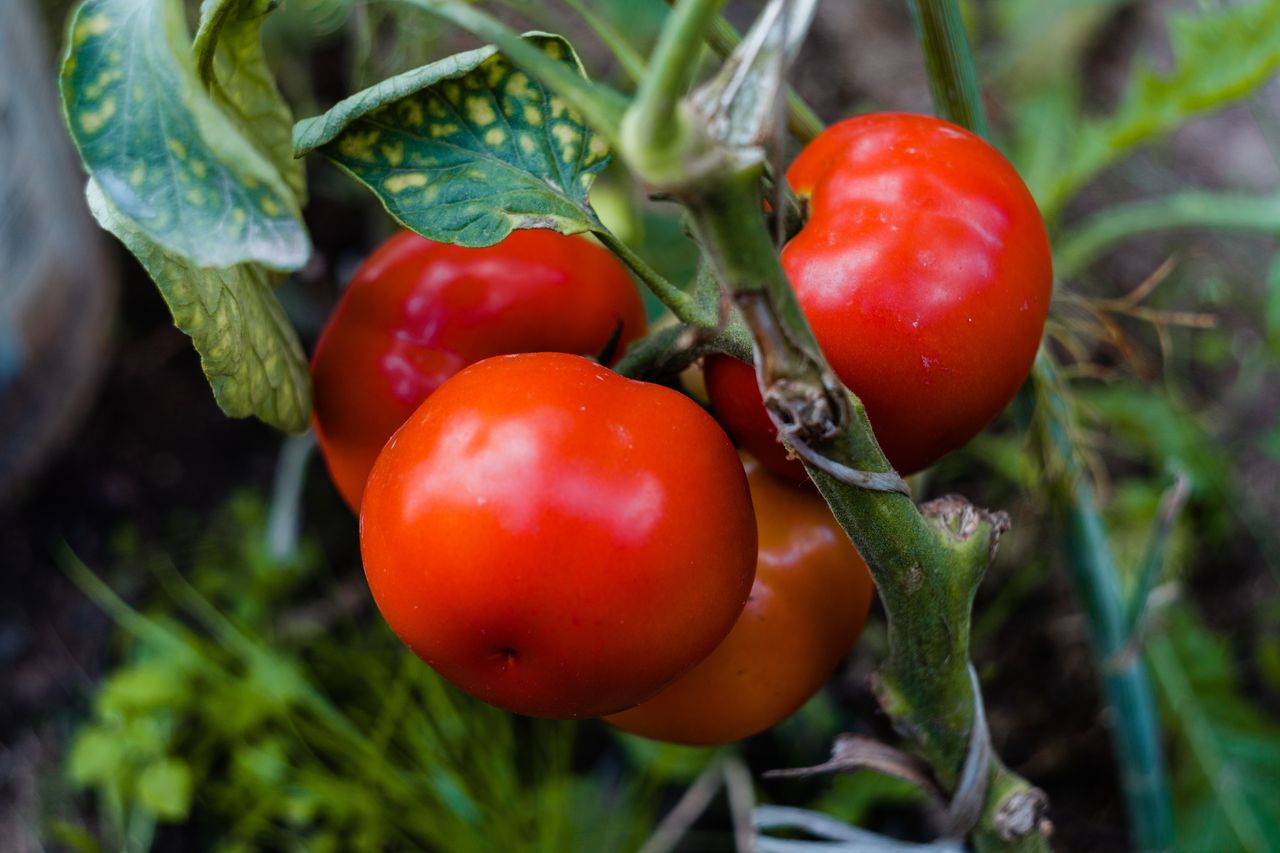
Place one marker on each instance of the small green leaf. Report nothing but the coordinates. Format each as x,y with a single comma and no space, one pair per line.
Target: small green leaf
265,764
1110,227
142,687
96,755
249,351
276,679
231,62
853,797
467,149
160,148
164,788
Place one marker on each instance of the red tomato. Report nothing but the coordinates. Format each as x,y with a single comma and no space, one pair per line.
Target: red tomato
417,312
555,539
807,607
735,396
925,272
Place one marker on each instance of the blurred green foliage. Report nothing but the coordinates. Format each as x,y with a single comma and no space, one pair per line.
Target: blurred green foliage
1146,419
1219,55
1226,755
281,715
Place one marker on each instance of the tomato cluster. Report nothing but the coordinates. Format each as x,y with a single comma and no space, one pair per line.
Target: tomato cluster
561,541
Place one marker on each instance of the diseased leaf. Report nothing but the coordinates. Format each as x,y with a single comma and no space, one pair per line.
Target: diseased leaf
1220,56
467,149
231,62
170,161
248,349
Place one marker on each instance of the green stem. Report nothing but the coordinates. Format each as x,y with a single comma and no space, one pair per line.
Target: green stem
599,105
1136,734
1190,209
671,349
953,79
1125,682
654,125
682,304
802,121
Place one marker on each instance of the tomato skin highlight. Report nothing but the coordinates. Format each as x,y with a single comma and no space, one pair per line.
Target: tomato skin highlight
416,312
558,540
807,608
925,272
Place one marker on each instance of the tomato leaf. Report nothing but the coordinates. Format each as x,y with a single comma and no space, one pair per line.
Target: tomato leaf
467,149
248,349
201,187
231,62
160,148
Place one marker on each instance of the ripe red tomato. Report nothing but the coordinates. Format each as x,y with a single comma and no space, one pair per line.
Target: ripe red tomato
556,539
806,610
925,272
735,397
416,312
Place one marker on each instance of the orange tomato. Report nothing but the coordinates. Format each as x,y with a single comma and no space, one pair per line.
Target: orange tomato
807,607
